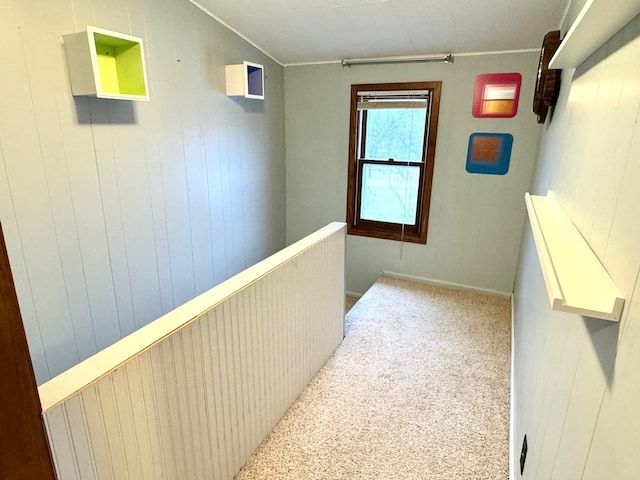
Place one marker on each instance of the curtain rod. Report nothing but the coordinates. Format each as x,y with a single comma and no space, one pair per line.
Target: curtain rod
347,62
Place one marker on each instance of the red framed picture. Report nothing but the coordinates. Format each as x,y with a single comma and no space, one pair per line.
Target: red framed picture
496,95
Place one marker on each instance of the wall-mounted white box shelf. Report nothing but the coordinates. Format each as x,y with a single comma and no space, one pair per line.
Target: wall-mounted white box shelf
245,80
106,64
575,279
596,23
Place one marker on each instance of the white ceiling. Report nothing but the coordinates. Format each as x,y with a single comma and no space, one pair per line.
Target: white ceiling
306,31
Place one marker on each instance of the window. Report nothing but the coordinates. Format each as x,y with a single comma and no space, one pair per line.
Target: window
392,145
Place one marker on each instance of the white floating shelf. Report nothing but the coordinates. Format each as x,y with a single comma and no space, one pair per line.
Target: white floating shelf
596,23
245,80
106,64
575,279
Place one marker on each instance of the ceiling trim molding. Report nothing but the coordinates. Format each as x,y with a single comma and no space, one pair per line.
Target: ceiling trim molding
323,62
462,54
244,37
497,52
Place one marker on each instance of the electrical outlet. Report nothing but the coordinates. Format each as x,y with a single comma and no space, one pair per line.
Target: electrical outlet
523,454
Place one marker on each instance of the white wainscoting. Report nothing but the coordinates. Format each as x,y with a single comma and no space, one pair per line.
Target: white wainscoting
191,395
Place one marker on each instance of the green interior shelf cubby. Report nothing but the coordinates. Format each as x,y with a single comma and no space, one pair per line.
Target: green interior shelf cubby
106,64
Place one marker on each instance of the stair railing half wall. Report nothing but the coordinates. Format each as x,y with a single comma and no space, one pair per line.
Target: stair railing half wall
193,394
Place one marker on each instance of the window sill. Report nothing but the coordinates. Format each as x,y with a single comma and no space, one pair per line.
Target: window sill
386,235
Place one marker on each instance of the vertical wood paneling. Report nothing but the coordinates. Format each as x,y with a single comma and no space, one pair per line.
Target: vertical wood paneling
150,210
574,390
24,168
124,398
197,404
111,210
243,367
184,345
207,427
179,439
77,424
115,144
612,451
19,270
84,13
61,445
134,198
150,416
112,16
164,416
97,432
236,223
139,419
162,48
213,395
117,212
216,210
265,397
112,427
225,339
192,78
36,29
89,223
235,377
226,194
220,385
255,349
208,400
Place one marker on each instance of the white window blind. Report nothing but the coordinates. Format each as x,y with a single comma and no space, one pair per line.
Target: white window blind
393,99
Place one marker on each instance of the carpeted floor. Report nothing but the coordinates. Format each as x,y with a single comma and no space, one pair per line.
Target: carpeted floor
350,301
419,389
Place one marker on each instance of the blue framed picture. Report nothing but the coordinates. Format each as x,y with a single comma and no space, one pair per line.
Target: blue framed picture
489,153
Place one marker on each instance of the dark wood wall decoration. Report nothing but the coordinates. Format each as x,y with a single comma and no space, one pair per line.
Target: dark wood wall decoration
548,81
24,450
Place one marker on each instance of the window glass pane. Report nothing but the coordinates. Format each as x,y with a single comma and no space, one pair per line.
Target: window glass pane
389,193
395,133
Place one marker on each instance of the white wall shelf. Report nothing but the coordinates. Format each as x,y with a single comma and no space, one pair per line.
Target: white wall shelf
596,23
245,80
106,64
575,279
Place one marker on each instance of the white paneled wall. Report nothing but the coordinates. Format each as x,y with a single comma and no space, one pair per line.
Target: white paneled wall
193,394
577,390
116,212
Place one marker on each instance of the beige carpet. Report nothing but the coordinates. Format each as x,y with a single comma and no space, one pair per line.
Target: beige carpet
419,389
350,301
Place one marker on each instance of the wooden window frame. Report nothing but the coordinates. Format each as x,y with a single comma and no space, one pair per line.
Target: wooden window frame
391,231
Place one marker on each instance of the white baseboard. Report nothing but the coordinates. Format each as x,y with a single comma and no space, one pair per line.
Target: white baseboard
353,294
443,283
